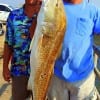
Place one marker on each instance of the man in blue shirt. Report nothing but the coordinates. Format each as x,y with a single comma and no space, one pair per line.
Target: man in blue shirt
73,71
20,30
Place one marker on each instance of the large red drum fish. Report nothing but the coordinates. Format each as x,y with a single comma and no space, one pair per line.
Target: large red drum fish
45,46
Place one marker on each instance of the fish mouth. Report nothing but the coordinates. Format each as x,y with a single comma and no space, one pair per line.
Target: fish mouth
46,2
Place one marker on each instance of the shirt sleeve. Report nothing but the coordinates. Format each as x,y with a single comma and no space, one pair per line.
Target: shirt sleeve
9,30
97,21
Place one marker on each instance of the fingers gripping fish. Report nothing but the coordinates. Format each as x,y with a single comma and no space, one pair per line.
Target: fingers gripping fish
45,46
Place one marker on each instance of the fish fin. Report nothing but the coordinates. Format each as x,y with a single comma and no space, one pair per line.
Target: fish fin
29,87
31,44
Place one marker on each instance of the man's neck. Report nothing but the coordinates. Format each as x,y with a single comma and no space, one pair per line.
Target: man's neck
73,1
30,10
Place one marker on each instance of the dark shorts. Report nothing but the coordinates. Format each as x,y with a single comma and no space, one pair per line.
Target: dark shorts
19,88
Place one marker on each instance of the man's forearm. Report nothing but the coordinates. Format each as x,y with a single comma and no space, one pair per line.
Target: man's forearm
7,55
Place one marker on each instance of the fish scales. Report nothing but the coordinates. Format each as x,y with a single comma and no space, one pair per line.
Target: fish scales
46,45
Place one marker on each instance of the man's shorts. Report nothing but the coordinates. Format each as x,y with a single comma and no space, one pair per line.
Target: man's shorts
81,90
19,88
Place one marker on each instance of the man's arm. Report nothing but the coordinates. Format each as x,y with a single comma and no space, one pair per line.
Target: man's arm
8,47
6,59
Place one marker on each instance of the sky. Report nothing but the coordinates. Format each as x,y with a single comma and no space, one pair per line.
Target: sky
18,3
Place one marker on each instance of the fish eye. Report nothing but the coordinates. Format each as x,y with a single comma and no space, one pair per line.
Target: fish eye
56,4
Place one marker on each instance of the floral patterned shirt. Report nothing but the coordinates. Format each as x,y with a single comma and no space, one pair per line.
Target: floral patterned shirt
18,37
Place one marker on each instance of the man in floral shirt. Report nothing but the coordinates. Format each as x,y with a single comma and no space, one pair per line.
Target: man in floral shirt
20,29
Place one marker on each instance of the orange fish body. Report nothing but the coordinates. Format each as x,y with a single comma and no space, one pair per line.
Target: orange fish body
45,46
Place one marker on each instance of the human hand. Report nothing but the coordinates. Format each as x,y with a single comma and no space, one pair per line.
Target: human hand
6,74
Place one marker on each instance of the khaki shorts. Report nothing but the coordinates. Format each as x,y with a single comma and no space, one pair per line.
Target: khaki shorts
61,90
19,88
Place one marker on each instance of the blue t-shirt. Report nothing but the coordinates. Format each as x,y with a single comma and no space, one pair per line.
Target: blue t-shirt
76,60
